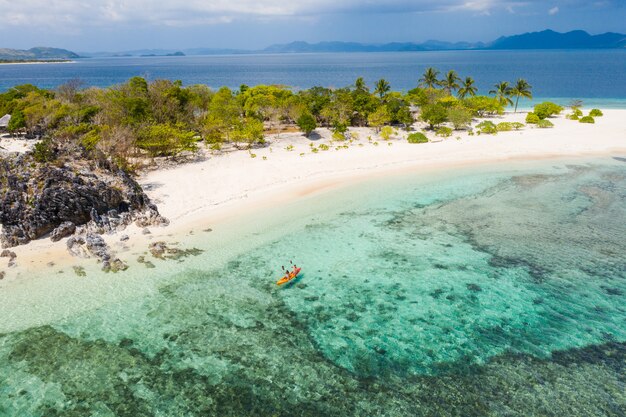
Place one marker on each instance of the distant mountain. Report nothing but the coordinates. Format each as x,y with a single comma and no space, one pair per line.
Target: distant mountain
304,47
549,39
39,53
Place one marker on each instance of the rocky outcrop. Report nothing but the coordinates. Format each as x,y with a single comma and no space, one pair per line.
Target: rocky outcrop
64,230
91,245
37,199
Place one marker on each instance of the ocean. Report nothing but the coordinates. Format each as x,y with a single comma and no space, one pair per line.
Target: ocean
497,290
596,76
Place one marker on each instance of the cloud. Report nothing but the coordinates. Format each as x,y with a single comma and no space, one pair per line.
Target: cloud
85,13
553,10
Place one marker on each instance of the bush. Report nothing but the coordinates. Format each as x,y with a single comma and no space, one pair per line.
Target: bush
44,151
504,127
517,125
460,117
587,119
532,118
487,127
547,109
417,137
444,132
595,113
166,140
572,116
386,132
544,124
578,112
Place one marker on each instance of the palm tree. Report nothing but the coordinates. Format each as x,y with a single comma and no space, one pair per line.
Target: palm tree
429,79
360,85
468,88
382,88
503,93
450,83
521,89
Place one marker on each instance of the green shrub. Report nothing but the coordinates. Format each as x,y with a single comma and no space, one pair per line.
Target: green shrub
44,151
487,127
572,116
547,109
517,125
417,137
504,127
386,132
544,124
576,111
166,140
444,132
324,147
460,117
587,119
595,113
532,118
339,136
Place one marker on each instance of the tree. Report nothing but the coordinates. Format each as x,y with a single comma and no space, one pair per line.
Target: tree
166,140
379,118
502,92
359,85
450,82
468,88
434,114
521,89
429,79
482,105
248,130
363,103
306,123
382,88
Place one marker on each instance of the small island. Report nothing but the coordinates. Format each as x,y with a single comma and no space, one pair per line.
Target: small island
172,54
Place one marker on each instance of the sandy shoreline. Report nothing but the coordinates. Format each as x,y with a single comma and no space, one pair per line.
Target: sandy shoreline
202,194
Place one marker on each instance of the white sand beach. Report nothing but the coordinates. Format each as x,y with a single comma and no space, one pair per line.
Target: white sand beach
223,185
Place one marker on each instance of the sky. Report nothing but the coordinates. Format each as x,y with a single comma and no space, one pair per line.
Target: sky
120,25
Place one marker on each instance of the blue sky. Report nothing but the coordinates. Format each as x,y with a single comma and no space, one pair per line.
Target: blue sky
96,25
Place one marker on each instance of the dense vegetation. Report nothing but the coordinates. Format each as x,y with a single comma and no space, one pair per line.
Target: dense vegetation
164,118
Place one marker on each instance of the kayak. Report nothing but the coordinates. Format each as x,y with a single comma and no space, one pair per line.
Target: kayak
289,277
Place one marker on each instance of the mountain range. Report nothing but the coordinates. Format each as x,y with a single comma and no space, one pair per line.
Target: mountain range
547,39
36,54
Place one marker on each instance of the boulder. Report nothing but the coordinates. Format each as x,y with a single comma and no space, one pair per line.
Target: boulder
64,230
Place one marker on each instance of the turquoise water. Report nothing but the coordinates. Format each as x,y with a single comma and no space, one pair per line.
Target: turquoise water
494,291
596,76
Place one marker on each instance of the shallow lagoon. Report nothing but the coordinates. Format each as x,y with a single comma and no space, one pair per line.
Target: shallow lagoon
485,291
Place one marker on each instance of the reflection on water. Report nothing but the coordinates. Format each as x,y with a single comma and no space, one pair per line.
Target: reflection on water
487,294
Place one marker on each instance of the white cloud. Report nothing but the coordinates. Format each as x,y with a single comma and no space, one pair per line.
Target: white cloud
84,13
553,10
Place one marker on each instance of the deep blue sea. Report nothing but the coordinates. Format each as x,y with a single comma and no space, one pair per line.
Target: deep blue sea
596,75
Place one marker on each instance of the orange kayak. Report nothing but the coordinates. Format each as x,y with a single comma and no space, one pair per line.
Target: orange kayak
289,277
